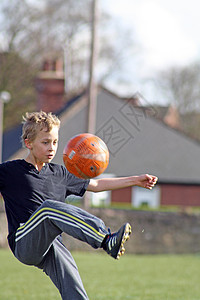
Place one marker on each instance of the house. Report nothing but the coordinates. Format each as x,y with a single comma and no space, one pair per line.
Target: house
138,143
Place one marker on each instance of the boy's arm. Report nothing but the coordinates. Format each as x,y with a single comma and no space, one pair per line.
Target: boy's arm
98,185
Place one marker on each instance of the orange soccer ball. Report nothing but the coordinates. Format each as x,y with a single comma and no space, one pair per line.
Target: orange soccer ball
86,155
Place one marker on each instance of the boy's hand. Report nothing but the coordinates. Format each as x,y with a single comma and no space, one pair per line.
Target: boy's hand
147,181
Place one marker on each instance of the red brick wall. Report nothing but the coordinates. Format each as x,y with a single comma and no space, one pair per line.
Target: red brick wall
183,195
122,195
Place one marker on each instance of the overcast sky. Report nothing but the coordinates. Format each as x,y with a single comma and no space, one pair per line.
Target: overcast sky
167,31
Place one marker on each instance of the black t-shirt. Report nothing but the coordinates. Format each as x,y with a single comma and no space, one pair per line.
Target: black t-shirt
24,189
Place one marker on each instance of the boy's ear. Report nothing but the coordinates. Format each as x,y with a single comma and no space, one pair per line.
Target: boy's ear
28,144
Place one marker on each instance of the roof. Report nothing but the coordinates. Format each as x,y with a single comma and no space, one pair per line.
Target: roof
137,141
11,142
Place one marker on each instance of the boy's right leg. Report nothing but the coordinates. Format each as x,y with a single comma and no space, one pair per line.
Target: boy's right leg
60,266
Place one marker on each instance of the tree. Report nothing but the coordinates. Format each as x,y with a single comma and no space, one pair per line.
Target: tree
41,29
181,86
17,77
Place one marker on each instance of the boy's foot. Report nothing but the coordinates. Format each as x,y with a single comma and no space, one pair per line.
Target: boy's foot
114,243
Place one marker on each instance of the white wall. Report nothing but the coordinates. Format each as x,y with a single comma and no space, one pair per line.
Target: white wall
141,196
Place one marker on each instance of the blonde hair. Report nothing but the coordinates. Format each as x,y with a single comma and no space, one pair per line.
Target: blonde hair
37,121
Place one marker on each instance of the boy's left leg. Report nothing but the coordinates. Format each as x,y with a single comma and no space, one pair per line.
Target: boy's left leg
35,237
60,266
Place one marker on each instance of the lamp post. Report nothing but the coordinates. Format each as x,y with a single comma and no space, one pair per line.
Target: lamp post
4,98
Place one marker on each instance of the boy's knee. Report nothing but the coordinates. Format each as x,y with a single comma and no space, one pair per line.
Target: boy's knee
48,203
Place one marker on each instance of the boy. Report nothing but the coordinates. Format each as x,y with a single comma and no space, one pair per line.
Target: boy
34,191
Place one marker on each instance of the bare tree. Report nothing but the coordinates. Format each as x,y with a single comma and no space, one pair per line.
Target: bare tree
32,31
40,30
181,86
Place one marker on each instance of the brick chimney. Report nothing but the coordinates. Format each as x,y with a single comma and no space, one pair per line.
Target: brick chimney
50,86
172,117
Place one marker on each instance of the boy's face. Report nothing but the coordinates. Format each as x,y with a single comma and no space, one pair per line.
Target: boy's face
44,146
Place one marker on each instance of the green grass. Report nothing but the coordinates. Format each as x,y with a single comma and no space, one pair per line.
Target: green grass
167,208
161,277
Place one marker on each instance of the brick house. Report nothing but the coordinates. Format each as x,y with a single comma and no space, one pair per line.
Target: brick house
137,140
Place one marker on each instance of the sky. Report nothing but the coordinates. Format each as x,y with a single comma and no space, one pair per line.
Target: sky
166,30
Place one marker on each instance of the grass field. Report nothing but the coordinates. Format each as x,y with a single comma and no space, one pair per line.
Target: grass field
163,277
